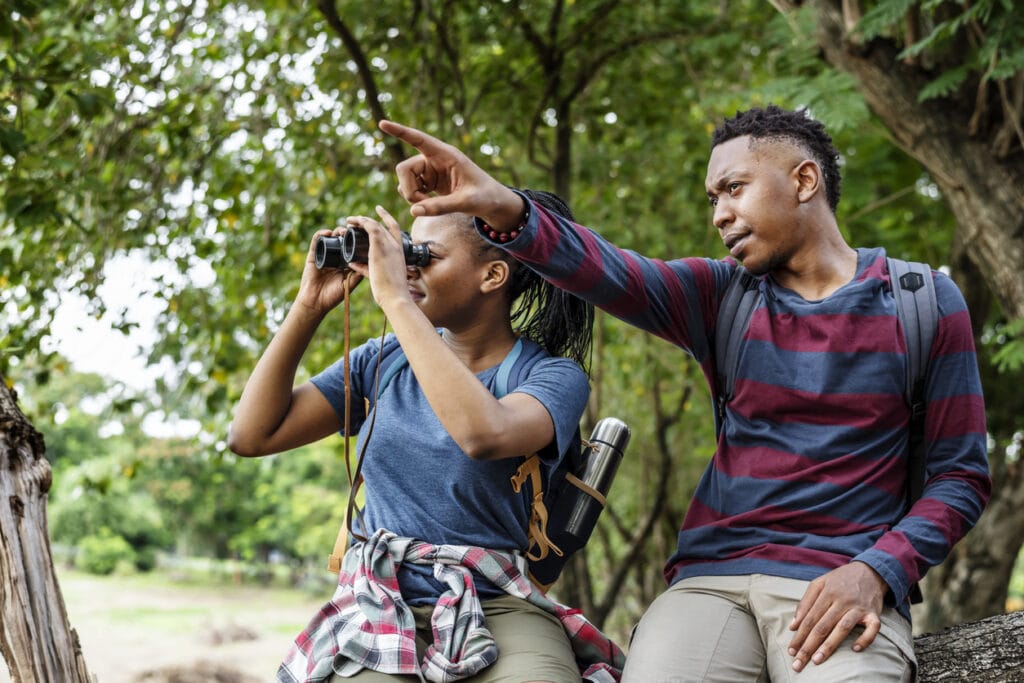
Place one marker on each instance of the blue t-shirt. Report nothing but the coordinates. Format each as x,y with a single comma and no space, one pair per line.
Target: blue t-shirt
420,484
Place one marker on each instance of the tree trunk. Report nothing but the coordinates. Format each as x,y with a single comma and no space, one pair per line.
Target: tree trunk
36,640
974,580
987,651
983,190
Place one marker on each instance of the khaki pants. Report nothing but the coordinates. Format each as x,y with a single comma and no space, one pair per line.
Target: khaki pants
532,646
736,628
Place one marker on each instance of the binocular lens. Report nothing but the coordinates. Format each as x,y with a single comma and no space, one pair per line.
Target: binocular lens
328,253
354,247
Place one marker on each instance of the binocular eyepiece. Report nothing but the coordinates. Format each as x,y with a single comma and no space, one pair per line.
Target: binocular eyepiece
354,247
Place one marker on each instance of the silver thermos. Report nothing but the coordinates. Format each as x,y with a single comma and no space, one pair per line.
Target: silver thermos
601,461
574,511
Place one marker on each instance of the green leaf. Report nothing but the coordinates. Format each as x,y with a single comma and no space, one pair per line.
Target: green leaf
12,141
883,16
945,84
90,104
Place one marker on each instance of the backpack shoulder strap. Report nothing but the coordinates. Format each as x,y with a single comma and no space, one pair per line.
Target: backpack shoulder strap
509,373
918,312
741,297
391,366
917,308
914,290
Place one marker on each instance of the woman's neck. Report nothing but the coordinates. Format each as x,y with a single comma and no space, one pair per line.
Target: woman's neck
481,345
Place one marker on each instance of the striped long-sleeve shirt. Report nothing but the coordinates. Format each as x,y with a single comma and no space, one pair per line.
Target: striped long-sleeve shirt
810,471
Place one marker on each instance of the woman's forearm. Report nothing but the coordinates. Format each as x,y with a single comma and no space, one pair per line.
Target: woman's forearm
267,397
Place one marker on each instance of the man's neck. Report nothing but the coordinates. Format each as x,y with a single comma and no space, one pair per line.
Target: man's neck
818,273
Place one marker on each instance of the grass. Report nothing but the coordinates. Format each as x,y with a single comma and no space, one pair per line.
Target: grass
130,624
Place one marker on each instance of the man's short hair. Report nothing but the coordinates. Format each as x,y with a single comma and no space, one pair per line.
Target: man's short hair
797,127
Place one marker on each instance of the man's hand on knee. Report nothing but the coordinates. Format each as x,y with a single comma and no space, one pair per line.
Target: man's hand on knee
834,605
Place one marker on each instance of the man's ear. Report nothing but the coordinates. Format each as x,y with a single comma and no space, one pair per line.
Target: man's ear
807,176
496,274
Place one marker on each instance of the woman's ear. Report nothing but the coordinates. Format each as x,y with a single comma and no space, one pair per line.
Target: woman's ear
496,274
807,176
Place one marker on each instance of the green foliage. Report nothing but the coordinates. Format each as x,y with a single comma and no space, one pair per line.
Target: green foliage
970,41
101,553
877,20
1009,338
227,506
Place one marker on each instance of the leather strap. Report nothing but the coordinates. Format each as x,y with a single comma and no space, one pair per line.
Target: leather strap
537,535
355,479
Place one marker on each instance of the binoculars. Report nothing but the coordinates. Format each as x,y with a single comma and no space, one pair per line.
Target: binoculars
354,245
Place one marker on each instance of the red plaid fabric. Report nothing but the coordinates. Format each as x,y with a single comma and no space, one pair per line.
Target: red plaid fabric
367,624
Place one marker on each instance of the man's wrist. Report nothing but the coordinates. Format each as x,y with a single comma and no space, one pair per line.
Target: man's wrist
883,585
510,213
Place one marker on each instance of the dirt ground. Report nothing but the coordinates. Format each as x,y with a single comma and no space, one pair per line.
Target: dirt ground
137,624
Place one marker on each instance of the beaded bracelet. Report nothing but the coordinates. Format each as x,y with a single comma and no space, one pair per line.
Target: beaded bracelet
511,234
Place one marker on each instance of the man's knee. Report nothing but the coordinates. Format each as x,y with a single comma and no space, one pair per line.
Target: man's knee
695,636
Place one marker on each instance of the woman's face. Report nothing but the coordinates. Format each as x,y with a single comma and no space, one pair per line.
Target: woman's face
447,289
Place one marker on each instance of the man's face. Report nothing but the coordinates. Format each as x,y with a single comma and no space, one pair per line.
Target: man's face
754,191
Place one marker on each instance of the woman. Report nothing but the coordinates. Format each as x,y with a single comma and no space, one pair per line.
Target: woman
437,588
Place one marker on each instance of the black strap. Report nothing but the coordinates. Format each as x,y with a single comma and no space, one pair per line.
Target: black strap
916,306
918,311
741,298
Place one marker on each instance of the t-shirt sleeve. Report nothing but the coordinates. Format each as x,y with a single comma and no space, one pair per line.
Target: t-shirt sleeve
331,381
563,389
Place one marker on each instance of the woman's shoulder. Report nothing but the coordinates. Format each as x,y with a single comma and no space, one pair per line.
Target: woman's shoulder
535,359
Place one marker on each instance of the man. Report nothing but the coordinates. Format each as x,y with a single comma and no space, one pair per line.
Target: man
797,548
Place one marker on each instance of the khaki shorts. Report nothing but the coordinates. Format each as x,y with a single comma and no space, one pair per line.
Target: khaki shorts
736,628
532,645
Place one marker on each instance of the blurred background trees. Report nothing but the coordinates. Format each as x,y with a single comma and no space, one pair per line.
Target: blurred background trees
210,139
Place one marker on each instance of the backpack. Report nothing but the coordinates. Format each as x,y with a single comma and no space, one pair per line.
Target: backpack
565,501
914,291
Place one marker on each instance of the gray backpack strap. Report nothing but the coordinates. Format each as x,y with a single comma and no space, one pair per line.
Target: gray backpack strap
741,298
918,311
916,305
914,290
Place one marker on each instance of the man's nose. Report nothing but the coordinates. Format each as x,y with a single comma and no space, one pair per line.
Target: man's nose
722,216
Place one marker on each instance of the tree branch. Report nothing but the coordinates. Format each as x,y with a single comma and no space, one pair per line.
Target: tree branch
664,420
330,13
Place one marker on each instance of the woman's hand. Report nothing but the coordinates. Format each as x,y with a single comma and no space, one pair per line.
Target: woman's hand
386,268
322,290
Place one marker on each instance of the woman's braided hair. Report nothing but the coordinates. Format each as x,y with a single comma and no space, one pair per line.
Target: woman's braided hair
558,321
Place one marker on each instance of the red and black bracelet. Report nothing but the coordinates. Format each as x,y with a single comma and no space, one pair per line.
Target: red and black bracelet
503,237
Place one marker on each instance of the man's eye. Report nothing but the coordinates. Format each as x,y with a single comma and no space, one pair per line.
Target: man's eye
713,201
733,187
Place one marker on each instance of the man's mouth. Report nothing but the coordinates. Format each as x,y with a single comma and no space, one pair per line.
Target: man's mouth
734,242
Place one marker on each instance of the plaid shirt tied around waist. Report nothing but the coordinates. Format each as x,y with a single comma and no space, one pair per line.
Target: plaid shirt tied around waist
367,624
